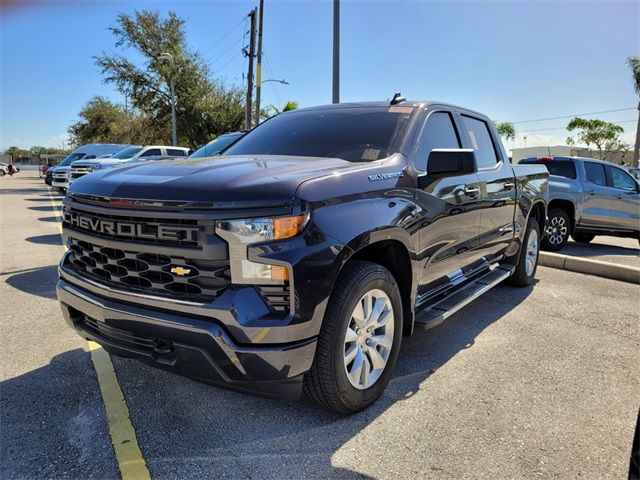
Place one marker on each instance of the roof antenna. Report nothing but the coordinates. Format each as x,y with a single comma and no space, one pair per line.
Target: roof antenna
397,98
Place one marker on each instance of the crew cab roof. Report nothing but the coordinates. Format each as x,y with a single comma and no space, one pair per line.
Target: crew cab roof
386,104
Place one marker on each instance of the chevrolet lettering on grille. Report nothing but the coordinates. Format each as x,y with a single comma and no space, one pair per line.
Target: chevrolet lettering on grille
131,229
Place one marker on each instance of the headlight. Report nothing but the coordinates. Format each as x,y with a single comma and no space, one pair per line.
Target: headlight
241,233
96,166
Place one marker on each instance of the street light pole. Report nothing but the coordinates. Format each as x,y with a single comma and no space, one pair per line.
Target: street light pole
259,63
174,131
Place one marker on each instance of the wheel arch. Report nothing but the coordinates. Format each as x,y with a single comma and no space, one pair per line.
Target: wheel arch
393,251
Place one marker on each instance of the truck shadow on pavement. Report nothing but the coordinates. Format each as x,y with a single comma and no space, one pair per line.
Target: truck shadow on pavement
53,423
50,239
44,208
39,281
186,428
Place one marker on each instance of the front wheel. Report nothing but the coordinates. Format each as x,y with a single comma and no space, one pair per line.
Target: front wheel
557,232
359,340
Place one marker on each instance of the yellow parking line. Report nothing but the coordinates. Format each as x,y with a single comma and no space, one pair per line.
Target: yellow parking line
123,436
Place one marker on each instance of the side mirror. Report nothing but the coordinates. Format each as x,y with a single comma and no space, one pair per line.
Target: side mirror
451,162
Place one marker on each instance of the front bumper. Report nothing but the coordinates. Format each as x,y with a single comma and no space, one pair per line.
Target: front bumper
188,345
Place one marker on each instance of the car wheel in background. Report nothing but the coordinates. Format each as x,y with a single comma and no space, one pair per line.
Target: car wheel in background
359,340
583,237
557,232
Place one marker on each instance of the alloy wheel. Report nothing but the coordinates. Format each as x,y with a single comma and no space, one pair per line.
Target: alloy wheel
557,230
368,339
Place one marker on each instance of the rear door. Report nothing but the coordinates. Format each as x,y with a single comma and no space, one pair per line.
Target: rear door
448,228
598,197
497,187
625,203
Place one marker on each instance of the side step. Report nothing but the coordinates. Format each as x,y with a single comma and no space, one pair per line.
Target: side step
434,315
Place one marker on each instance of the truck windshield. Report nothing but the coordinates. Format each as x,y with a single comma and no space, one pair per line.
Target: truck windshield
72,157
127,153
356,134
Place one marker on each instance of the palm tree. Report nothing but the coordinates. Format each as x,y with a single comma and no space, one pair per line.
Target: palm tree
290,105
634,65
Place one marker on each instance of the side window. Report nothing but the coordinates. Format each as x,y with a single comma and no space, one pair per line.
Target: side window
622,180
438,132
176,152
481,142
595,173
151,152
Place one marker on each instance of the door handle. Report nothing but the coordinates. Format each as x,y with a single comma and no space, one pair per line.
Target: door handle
509,185
591,192
619,196
471,191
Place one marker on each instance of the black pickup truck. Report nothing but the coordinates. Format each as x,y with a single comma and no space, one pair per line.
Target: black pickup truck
298,259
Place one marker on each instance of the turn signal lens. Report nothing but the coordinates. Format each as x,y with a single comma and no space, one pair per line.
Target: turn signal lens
287,227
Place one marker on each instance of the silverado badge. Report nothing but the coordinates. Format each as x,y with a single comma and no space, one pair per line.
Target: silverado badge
181,271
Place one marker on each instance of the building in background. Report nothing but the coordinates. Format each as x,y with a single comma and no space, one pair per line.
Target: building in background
619,157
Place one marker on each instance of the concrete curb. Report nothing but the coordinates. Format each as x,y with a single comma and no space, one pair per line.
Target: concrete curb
610,270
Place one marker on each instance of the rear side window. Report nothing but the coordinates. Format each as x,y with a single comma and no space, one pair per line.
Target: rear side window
176,153
438,132
481,142
559,168
622,180
151,152
595,173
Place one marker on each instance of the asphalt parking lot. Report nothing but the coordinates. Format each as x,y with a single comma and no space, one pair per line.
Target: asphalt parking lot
523,383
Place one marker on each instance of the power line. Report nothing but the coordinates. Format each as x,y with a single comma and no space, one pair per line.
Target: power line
565,127
274,87
575,115
217,42
224,54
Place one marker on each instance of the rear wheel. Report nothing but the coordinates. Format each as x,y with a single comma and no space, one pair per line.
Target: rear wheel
557,232
583,237
528,257
359,341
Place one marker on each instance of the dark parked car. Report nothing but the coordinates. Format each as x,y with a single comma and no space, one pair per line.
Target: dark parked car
302,256
588,197
215,146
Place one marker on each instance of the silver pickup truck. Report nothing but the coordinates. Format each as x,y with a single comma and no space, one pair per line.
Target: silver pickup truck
588,197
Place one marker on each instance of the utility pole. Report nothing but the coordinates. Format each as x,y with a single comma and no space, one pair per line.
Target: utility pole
336,51
259,65
251,54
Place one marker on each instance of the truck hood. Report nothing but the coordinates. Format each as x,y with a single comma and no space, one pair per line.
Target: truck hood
105,162
59,169
233,180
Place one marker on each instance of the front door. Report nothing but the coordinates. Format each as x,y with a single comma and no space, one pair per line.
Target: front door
449,216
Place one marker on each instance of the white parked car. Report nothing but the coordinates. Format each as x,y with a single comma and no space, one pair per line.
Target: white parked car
133,153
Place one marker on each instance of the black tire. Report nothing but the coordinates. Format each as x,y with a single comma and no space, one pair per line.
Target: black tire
583,237
558,228
327,382
521,278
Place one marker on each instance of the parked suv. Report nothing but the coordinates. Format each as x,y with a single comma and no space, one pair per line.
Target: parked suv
300,257
588,197
132,153
60,173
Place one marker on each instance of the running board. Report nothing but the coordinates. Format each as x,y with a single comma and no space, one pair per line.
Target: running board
434,315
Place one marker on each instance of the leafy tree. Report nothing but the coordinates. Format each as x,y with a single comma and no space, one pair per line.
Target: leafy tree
16,152
506,130
204,108
102,121
603,135
634,65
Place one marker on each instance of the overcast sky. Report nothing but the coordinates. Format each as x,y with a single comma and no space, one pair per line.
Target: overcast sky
514,61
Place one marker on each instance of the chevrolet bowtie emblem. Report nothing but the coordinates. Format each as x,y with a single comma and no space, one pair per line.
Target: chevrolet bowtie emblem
181,271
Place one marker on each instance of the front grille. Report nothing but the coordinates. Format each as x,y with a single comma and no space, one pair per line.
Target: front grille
125,337
186,233
77,172
197,280
60,176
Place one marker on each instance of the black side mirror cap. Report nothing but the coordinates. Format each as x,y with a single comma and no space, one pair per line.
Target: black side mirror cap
451,162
